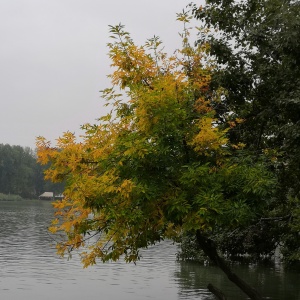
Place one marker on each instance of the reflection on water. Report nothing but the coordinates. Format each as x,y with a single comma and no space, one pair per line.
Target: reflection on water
30,269
272,282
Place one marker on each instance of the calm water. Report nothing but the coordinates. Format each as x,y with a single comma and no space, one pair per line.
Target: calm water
30,270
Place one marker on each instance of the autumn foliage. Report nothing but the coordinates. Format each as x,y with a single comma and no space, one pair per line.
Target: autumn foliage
158,164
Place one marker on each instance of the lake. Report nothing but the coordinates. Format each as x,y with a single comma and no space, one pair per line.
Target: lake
30,269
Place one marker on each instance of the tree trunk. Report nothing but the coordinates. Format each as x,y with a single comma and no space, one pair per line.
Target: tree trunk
209,249
216,292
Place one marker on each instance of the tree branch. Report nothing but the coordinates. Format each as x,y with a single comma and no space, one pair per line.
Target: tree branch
210,250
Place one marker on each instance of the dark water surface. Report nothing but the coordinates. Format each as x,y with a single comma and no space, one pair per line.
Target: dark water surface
30,269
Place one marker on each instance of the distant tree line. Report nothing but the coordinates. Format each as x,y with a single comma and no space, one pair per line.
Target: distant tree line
20,174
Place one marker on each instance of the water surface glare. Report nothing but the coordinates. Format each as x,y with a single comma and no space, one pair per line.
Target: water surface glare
30,269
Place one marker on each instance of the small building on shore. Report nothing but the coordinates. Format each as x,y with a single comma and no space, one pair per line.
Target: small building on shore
58,197
46,196
50,196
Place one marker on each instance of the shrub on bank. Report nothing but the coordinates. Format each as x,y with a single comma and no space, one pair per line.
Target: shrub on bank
10,197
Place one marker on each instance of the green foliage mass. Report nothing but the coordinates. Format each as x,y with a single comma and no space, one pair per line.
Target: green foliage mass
21,175
256,51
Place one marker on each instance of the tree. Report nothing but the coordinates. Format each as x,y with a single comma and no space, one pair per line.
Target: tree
16,171
159,164
20,174
257,63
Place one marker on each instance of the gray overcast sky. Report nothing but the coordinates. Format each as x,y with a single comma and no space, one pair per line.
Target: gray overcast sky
53,59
